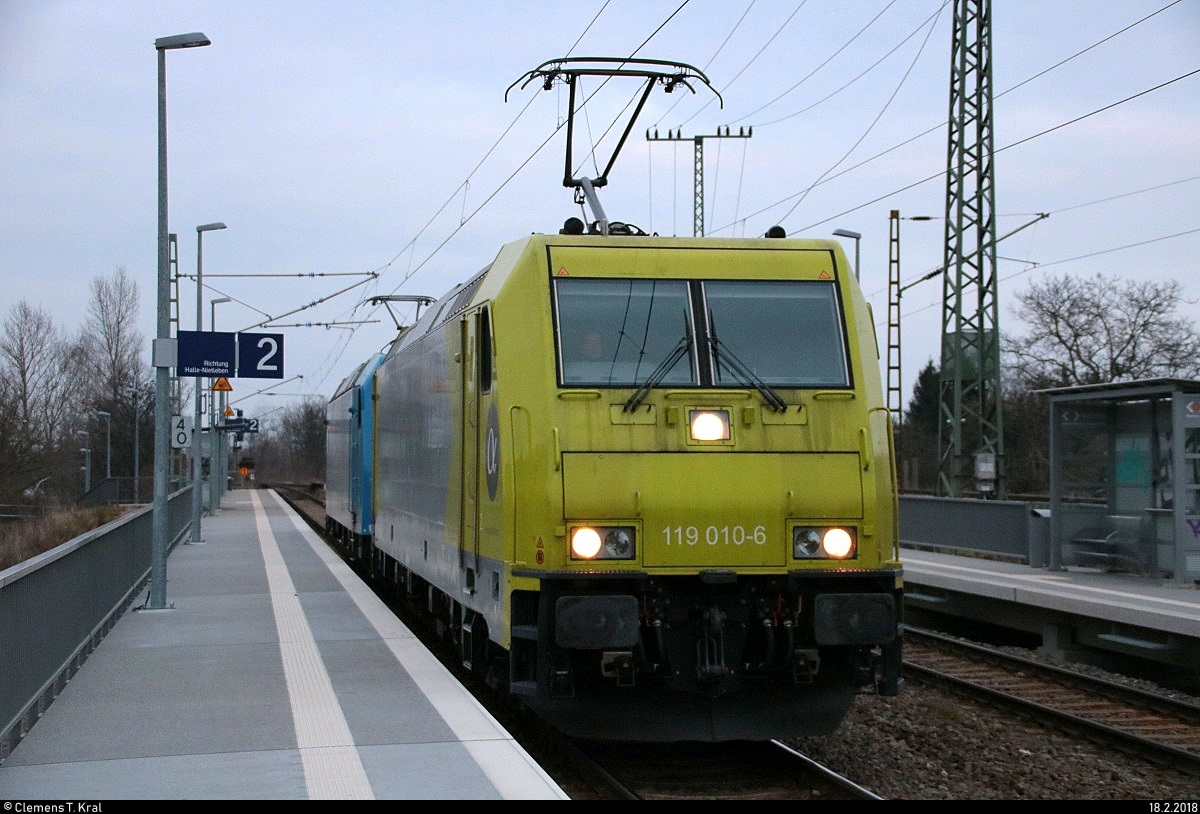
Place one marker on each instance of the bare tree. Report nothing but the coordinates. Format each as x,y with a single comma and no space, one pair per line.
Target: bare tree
37,395
114,345
292,448
118,377
1026,441
1101,330
52,387
303,431
1085,331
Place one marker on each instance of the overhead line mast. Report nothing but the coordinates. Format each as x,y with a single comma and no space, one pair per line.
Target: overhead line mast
894,402
677,135
970,425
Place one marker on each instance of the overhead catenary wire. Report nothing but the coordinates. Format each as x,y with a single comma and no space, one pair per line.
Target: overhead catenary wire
941,125
1075,259
707,64
929,21
830,59
874,122
751,61
1032,265
388,271
942,173
1059,211
335,353
467,217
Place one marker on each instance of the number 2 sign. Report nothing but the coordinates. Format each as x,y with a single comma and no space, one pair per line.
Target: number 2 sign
260,356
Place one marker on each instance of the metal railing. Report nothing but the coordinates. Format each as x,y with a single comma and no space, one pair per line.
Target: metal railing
44,639
1004,529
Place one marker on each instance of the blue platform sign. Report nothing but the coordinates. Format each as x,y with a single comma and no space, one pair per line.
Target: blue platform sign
260,356
232,355
206,353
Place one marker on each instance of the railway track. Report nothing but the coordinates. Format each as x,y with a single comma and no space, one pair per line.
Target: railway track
710,771
1152,726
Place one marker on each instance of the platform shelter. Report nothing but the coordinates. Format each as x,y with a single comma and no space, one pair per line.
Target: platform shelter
1125,478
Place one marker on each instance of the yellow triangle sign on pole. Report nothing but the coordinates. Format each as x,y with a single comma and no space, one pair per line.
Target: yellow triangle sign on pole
229,412
222,385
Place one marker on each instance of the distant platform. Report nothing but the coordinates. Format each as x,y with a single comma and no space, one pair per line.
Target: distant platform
1072,609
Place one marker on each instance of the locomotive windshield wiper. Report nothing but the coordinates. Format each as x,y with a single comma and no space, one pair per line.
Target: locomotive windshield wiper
657,375
723,354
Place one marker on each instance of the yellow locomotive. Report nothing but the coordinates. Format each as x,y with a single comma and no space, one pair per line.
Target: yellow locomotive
647,483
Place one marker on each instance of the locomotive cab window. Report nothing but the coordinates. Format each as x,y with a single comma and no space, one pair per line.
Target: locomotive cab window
634,333
619,333
784,333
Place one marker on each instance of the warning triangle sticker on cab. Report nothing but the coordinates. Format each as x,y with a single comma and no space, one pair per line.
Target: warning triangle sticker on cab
562,272
825,275
222,385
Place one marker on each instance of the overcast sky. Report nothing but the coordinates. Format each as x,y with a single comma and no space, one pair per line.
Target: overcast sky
360,148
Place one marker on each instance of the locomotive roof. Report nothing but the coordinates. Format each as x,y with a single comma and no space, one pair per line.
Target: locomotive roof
349,381
447,306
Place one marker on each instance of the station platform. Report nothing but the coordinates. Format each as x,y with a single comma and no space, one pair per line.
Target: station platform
274,674
1071,609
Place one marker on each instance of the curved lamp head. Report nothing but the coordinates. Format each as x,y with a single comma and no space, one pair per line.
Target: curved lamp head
193,40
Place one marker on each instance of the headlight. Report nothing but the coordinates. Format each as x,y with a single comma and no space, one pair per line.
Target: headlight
835,543
603,543
709,425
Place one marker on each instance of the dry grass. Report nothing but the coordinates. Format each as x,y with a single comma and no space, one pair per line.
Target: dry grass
22,539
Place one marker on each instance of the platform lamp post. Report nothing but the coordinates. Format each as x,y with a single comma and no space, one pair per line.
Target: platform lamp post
137,444
107,416
87,469
165,353
856,237
218,490
197,448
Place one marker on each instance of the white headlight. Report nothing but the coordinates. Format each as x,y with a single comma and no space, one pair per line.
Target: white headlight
585,543
830,543
837,543
709,425
603,542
